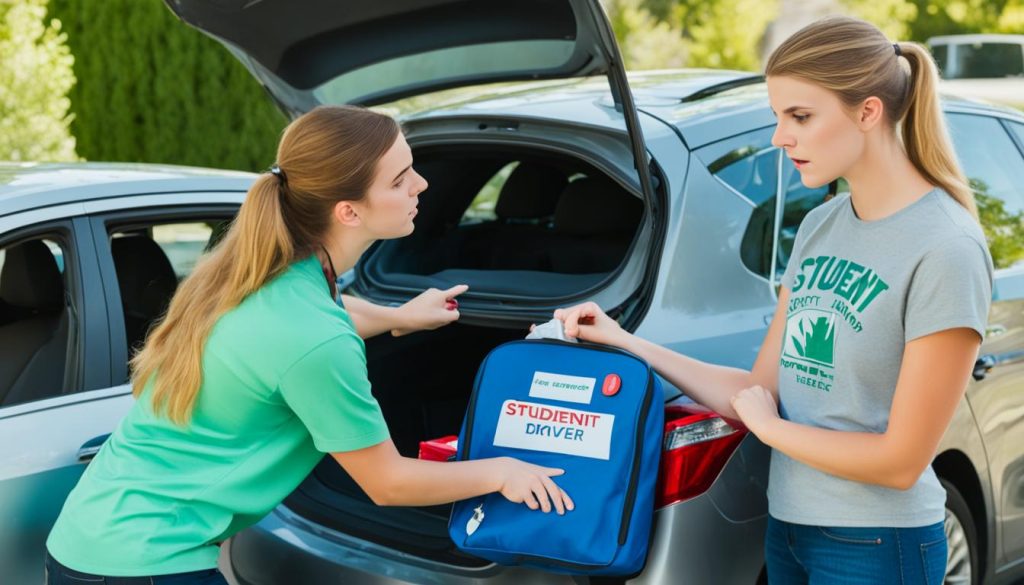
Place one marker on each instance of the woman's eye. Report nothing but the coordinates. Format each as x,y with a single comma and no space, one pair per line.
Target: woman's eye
801,118
399,183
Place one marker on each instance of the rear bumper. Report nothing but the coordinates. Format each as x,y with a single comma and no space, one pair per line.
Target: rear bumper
693,542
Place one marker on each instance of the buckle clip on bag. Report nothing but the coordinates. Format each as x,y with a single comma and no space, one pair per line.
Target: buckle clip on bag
595,411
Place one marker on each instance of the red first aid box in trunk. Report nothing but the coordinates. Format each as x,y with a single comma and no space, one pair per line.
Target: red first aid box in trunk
442,449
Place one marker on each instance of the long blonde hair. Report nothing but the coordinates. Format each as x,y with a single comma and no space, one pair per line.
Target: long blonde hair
327,155
854,60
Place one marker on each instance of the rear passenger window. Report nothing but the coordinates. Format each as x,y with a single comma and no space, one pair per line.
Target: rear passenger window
798,202
38,320
482,207
995,170
749,166
1018,129
150,261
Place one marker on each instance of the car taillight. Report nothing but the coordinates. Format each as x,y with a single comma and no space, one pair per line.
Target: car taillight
697,444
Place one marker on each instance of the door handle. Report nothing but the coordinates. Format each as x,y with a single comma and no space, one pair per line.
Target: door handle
982,367
91,447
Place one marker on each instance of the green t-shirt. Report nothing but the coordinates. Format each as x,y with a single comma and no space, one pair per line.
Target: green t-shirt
284,381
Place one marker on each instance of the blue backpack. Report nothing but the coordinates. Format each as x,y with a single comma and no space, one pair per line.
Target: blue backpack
595,411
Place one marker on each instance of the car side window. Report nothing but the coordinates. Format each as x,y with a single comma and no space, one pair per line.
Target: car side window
941,55
994,168
749,166
798,201
483,204
38,319
1018,129
150,260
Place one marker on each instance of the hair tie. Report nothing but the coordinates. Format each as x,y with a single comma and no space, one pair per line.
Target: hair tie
896,46
277,172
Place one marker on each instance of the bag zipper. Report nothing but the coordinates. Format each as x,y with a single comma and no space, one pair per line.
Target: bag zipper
634,476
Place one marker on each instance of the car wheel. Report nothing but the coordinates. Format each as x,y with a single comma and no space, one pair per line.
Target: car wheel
962,540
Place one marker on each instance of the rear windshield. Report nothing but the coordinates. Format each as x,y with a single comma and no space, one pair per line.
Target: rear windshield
451,65
980,60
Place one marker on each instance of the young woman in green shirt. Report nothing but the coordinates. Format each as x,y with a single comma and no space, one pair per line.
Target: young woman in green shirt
255,372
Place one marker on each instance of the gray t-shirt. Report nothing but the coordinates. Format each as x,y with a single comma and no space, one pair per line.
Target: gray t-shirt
859,291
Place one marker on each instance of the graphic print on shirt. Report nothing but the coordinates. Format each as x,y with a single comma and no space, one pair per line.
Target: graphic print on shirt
829,296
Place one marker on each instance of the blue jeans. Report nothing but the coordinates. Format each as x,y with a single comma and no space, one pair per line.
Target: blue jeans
820,555
58,574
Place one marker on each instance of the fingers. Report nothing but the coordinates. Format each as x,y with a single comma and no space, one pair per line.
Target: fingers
555,493
530,501
456,291
552,471
572,323
567,501
538,490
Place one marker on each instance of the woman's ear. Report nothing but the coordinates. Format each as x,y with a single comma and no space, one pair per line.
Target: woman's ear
870,113
346,214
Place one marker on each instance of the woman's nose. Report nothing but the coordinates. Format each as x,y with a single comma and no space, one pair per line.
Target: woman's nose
781,139
422,184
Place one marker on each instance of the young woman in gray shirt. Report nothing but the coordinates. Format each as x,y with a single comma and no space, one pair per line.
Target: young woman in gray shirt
880,316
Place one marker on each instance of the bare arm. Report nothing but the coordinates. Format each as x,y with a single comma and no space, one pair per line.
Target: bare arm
370,319
709,384
431,309
932,380
392,480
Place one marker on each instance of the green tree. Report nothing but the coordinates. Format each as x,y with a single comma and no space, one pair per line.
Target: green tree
645,41
1012,18
1004,229
948,17
658,34
151,89
893,17
35,76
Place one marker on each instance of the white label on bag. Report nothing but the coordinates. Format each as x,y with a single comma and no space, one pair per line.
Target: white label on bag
538,427
562,387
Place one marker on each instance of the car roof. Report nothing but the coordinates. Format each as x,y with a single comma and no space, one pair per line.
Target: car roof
733,111
703,105
25,186
561,100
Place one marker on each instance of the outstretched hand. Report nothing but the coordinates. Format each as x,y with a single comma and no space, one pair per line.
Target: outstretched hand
433,308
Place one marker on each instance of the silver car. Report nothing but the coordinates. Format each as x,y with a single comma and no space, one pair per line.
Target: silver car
536,200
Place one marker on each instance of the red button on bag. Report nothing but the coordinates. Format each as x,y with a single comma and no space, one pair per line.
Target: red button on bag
611,386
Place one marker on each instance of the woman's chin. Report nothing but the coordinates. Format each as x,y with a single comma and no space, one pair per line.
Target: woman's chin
405,230
812,181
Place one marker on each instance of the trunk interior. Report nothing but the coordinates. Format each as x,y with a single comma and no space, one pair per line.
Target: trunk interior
422,382
511,223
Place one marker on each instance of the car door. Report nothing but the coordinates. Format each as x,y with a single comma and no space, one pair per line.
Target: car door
55,394
994,164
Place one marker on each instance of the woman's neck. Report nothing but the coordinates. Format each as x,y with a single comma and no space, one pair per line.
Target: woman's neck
884,181
344,249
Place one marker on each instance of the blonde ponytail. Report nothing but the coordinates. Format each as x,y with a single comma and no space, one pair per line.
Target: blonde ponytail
255,249
329,155
924,132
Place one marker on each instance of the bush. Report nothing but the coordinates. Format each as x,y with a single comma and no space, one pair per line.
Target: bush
151,89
